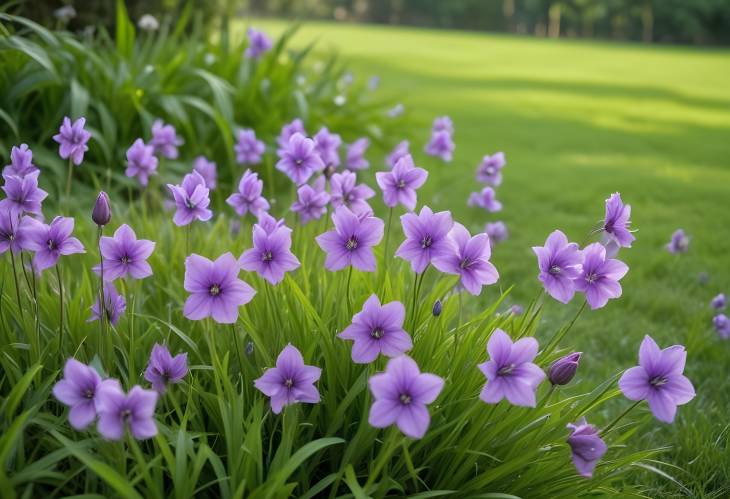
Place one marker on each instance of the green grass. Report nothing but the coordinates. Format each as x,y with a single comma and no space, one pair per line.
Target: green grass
577,121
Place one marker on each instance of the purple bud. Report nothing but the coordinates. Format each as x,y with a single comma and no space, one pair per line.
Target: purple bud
436,308
561,372
102,213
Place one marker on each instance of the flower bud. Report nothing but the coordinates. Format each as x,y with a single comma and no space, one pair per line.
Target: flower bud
102,213
561,372
436,311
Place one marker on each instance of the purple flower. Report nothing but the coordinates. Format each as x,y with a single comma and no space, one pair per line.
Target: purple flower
561,371
658,379
102,212
165,140
271,255
299,159
21,162
599,276
441,145
215,289
402,149
78,391
516,309
443,123
114,304
497,232
560,264
722,325
72,139
373,83
23,195
510,372
296,126
125,255
290,382
586,445
426,237
396,110
401,395
269,223
207,170
352,240
346,193
134,411
327,145
258,44
486,199
163,369
248,198
399,185
377,330
489,170
719,302
616,224
248,149
679,243
310,204
355,156
141,162
469,259
192,199
49,242
13,233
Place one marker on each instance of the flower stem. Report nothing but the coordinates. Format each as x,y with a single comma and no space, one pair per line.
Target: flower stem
60,308
386,452
238,351
68,178
17,284
102,304
619,418
347,290
387,239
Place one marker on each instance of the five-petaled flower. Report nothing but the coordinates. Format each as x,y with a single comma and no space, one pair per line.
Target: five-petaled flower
599,276
119,411
469,259
352,240
72,139
290,382
399,185
50,242
271,255
192,198
426,237
125,255
560,264
163,369
78,390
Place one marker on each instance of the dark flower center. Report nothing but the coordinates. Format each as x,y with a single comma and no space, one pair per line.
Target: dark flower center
591,278
51,244
299,161
426,242
658,381
377,333
351,243
189,203
489,170
125,259
125,414
555,270
405,399
215,290
10,237
267,256
288,382
506,370
401,184
466,263
89,393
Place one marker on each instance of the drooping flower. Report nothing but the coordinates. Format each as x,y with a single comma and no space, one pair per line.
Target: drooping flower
163,369
719,302
165,140
352,240
102,212
271,255
21,162
355,155
215,289
399,184
489,170
78,391
599,276
248,149
125,255
679,243
344,192
50,242
310,204
207,169
290,382
141,162
377,329
658,379
72,140
114,304
486,199
258,43
561,371
118,411
468,259
722,325
12,233
192,199
497,232
23,195
616,223
426,237
510,372
249,198
587,447
327,145
560,264
441,145
402,149
401,395
296,126
443,123
299,159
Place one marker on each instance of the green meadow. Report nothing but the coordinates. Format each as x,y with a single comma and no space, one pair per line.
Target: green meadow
577,121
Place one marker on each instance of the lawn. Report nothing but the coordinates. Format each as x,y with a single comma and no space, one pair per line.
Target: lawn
578,121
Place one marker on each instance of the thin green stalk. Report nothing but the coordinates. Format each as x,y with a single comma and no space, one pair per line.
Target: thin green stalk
17,285
238,350
60,308
102,303
386,452
387,240
458,324
68,178
188,229
619,418
347,290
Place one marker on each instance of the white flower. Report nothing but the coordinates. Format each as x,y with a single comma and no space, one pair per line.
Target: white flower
148,22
